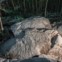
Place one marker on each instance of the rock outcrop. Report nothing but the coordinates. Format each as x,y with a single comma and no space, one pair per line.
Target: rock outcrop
33,43
32,38
56,50
32,22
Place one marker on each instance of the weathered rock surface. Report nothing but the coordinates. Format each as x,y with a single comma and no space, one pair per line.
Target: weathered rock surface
32,22
34,42
33,37
58,27
56,50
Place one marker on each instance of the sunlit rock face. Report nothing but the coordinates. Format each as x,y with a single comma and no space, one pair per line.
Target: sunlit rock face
33,43
33,37
32,22
56,50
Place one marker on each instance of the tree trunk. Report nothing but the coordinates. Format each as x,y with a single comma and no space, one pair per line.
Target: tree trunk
46,8
1,25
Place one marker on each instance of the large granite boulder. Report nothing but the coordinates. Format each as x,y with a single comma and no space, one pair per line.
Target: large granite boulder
33,42
56,51
32,37
32,22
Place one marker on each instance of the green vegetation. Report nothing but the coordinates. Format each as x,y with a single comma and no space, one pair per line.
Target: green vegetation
13,11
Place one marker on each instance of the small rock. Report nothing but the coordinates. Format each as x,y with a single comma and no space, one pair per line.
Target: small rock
56,50
60,30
